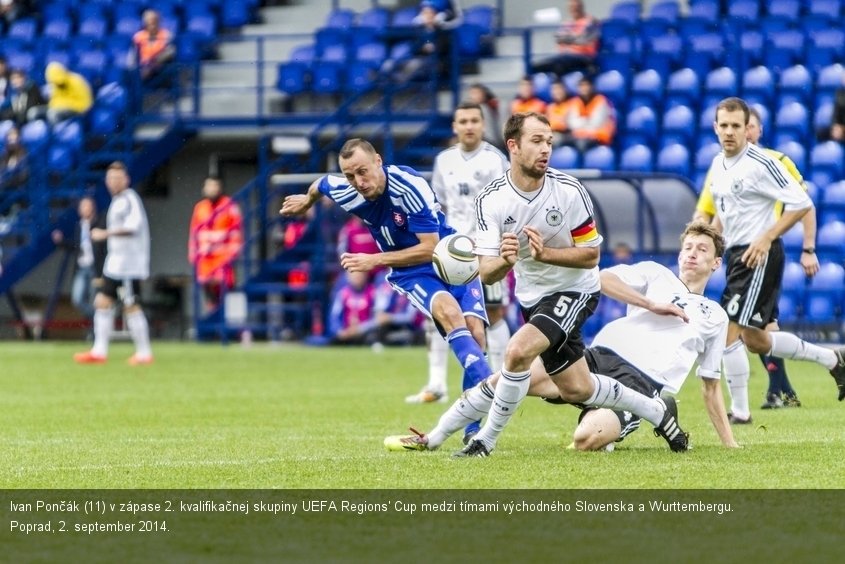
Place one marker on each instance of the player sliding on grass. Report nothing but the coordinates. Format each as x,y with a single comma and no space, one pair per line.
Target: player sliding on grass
403,215
646,350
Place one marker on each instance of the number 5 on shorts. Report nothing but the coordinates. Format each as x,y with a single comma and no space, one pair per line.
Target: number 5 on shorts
562,306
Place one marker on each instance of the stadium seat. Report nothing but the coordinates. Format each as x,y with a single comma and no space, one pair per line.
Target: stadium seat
92,28
482,16
61,158
788,309
721,82
822,309
833,203
796,152
829,240
57,30
91,63
822,118
103,121
828,154
292,77
827,46
828,8
751,45
404,17
641,126
707,11
684,83
340,18
708,49
793,119
829,79
69,133
565,158
23,30
542,83
667,11
793,240
612,84
679,125
23,60
35,135
113,96
705,155
784,49
758,81
627,11
235,14
674,159
744,11
648,84
669,48
304,54
203,26
707,116
360,76
787,9
373,53
376,18
470,41
829,282
637,158
327,77
601,158
795,85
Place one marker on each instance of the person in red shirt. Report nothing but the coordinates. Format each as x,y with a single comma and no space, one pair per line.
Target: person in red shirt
154,45
215,241
577,43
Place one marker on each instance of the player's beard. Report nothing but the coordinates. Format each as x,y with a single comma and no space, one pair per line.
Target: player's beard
532,172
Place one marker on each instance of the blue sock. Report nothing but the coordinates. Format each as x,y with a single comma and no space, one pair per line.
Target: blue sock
470,356
472,429
782,378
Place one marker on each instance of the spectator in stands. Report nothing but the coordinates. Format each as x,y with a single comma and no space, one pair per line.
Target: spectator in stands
351,318
837,127
90,256
11,10
4,82
484,97
215,241
154,45
25,100
70,93
14,165
526,100
577,41
622,253
590,120
556,112
397,320
431,46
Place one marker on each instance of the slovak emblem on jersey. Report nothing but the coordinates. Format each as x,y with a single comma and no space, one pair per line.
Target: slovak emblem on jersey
736,187
554,217
398,218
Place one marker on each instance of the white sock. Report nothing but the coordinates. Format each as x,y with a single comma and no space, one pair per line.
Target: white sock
498,335
511,389
787,345
614,395
473,405
737,372
438,360
140,332
103,327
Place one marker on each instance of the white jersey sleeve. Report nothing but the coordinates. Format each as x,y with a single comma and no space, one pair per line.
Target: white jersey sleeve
710,361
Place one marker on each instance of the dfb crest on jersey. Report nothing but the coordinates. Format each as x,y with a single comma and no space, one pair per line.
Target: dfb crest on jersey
704,309
398,218
736,187
554,217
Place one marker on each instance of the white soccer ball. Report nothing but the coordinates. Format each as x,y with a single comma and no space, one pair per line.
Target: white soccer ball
453,260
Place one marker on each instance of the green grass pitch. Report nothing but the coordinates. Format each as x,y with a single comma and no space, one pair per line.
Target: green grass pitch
206,416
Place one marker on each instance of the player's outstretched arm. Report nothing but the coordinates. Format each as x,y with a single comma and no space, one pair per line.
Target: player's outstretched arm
712,392
613,287
418,254
298,204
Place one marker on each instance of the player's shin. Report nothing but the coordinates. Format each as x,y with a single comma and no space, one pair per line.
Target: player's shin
737,372
471,406
511,389
612,394
789,346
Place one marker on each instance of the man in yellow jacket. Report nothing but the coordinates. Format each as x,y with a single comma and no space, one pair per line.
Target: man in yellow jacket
70,93
705,210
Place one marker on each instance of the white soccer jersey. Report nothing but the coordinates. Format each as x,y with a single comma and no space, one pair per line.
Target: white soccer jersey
458,178
745,191
128,256
561,210
663,346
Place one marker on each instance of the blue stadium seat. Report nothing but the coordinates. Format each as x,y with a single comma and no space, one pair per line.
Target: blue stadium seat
648,84
112,96
542,83
822,309
716,284
23,60
829,240
707,116
641,126
377,18
833,203
93,28
627,11
793,241
127,24
828,156
637,158
829,280
744,11
470,41
765,116
679,125
292,77
482,16
796,152
203,26
787,9
235,14
57,54
674,159
92,63
667,11
759,81
304,54
23,30
751,46
708,49
721,82
404,17
705,155
327,77
827,47
61,158
829,8
57,30
794,120
829,79
707,11
788,309
340,18
652,28
601,157
668,48
795,85
360,76
684,83
69,133
103,121
334,54
373,53
35,135
784,49
612,84
565,158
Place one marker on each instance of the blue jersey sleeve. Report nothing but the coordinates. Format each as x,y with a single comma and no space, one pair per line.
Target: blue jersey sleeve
415,196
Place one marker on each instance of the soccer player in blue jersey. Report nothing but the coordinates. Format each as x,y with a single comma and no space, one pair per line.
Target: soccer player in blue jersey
404,217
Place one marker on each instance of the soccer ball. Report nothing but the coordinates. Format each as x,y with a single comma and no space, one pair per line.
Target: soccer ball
453,260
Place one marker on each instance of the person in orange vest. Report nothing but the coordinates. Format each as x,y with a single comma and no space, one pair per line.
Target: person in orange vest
591,119
526,100
154,45
556,111
215,241
577,43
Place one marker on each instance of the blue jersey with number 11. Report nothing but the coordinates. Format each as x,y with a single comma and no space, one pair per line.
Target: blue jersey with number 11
408,206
